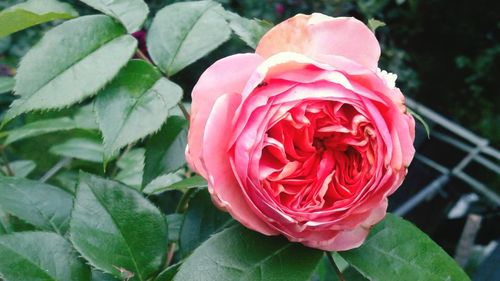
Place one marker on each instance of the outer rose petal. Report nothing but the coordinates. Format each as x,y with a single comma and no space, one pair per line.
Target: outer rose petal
228,75
317,35
222,184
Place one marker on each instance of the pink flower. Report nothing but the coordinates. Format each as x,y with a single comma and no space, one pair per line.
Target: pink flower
306,137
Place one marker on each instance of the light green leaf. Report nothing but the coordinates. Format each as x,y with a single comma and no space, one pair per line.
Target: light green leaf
201,221
162,183
83,119
39,128
165,149
397,250
86,149
134,105
373,24
6,84
131,13
71,63
131,166
21,168
168,273
31,13
184,32
44,206
117,229
250,31
241,254
29,256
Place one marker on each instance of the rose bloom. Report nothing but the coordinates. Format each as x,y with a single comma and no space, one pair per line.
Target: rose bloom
306,137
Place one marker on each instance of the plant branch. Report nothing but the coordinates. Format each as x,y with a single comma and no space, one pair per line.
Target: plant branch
58,166
141,55
6,162
334,265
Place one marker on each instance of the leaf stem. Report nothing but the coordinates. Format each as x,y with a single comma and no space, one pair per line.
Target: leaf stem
6,162
141,55
58,166
334,265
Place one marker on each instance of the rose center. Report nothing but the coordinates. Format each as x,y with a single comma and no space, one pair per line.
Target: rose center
317,154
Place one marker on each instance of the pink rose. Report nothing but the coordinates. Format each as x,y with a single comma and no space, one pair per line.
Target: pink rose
306,137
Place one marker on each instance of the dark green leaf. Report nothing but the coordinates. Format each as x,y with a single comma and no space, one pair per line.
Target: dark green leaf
134,105
168,273
165,149
6,84
241,254
131,166
117,230
397,250
182,33
44,206
202,219
21,168
30,256
131,13
86,149
250,31
71,63
31,13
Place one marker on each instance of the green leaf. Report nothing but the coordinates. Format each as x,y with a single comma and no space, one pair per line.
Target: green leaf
86,149
241,254
45,206
82,119
168,273
397,250
6,84
21,168
131,13
131,166
134,105
182,33
98,275
373,24
29,256
116,229
250,31
165,149
41,127
202,219
31,13
162,184
71,63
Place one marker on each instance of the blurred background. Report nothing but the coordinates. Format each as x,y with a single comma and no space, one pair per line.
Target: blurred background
447,58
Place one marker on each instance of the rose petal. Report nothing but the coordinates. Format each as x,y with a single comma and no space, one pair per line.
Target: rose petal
228,75
316,35
222,183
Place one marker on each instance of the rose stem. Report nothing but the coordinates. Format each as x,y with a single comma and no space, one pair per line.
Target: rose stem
334,265
141,55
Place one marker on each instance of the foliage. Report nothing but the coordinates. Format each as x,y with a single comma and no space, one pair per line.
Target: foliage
96,186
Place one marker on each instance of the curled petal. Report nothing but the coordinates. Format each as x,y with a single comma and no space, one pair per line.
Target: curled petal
317,35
